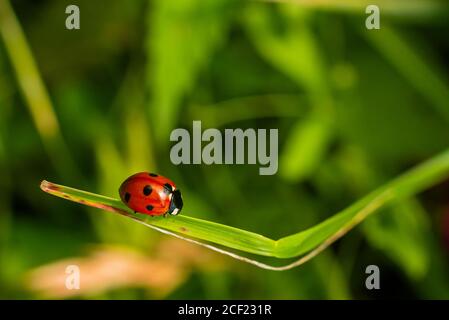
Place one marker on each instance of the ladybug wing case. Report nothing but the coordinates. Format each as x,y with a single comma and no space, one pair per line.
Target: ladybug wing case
145,196
152,207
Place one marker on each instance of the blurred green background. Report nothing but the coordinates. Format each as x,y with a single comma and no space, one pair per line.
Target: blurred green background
354,108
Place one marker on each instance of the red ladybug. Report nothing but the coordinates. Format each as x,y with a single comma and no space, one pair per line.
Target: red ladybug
151,194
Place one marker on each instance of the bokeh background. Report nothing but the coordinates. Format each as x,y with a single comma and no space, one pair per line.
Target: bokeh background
354,108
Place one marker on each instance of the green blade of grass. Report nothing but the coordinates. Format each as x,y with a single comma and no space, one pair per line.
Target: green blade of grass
406,185
191,227
35,92
311,241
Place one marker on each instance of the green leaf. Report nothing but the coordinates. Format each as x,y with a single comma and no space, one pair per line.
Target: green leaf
183,36
305,147
401,231
316,238
401,234
401,54
293,49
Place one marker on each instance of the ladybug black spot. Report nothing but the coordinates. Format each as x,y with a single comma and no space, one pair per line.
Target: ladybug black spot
168,187
152,175
127,196
147,190
150,207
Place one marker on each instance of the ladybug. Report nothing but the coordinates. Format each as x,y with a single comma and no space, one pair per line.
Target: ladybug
151,194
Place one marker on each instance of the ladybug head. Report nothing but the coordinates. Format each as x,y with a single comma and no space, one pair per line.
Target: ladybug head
175,203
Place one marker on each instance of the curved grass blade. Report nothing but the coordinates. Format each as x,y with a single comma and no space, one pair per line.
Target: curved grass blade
412,182
312,240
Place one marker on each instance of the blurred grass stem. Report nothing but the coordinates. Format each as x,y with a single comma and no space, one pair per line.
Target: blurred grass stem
34,91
